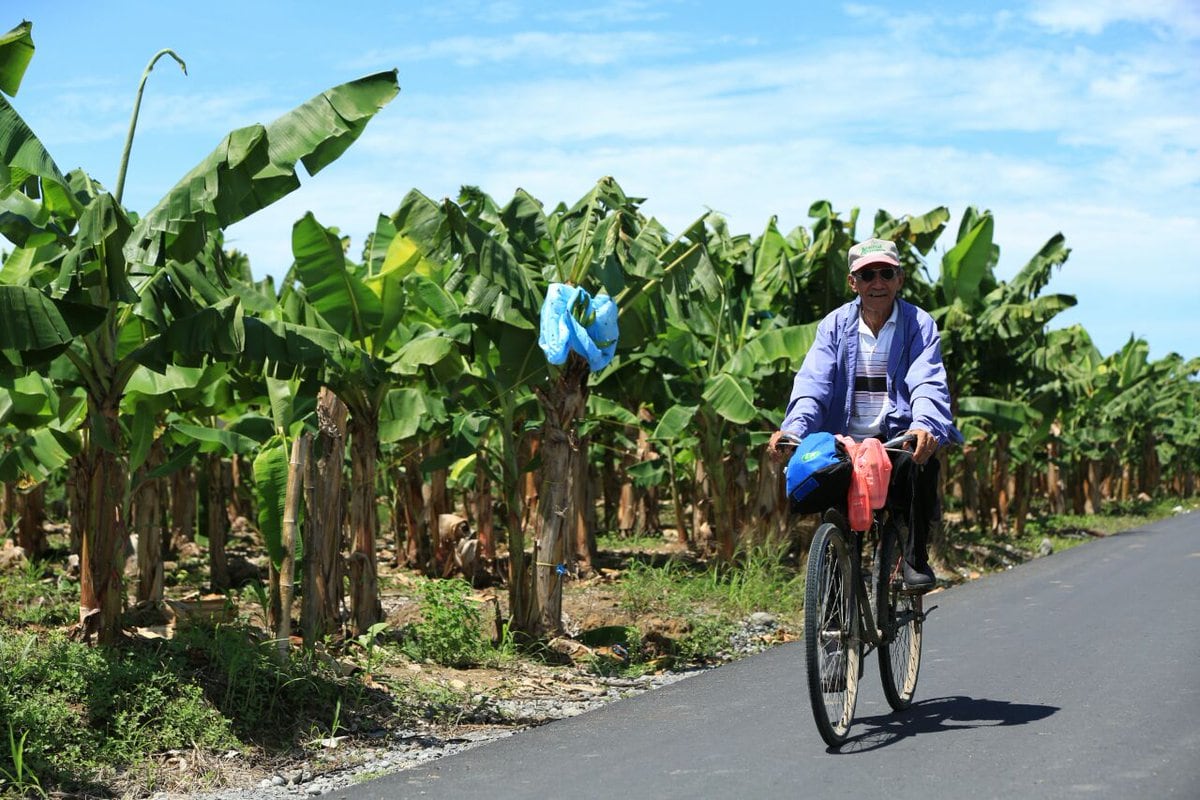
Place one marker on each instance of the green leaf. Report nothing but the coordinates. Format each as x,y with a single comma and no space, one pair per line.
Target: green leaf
675,421
38,455
181,458
343,300
730,397
175,378
141,436
270,490
230,442
1007,415
22,156
967,263
30,321
253,167
424,351
292,346
16,51
652,472
280,394
604,408
213,332
404,413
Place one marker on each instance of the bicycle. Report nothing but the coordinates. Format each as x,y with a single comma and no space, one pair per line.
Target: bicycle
844,620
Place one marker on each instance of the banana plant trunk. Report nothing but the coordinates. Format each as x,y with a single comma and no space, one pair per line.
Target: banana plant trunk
365,608
183,507
217,523
297,467
582,551
322,573
146,514
31,508
563,402
101,561
485,516
418,547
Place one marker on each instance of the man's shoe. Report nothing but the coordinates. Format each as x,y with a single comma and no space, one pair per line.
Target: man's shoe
918,577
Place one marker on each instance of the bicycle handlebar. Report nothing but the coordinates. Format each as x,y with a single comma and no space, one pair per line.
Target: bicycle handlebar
891,444
899,442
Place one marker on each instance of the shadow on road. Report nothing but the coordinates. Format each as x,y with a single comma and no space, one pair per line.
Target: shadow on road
938,715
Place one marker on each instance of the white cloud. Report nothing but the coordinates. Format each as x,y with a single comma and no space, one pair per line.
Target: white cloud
1179,17
578,49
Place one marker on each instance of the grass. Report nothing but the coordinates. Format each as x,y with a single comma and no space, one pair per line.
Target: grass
615,542
712,598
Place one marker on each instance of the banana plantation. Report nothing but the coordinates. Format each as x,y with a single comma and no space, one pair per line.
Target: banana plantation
391,395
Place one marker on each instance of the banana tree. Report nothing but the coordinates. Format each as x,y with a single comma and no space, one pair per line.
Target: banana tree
106,292
503,261
368,306
38,427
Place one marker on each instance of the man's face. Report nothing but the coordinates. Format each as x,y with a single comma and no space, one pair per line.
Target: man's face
877,292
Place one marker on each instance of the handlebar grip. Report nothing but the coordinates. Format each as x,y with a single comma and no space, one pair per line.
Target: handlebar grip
899,441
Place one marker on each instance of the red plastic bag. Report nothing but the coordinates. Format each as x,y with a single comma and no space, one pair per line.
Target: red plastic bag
872,471
873,463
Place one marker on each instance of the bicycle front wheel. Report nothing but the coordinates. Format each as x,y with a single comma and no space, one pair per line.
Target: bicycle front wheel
900,621
831,642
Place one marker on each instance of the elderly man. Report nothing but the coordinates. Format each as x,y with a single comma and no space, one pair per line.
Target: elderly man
876,369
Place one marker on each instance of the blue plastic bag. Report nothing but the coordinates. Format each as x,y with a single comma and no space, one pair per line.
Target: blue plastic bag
818,473
560,332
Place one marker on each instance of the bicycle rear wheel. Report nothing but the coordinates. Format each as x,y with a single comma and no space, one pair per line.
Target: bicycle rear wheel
900,620
831,642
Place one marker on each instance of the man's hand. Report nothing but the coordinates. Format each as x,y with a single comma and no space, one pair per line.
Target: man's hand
925,446
773,446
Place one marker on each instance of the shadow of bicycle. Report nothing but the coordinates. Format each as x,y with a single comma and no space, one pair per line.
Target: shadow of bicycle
939,715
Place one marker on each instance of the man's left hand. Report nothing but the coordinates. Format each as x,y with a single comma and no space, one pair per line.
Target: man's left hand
925,446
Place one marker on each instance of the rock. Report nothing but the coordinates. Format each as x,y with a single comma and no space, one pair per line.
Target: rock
569,648
761,619
1046,548
11,555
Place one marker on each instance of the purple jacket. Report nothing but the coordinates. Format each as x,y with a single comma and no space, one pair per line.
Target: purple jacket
916,378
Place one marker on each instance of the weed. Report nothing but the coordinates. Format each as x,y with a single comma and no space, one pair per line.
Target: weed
21,778
368,641
29,597
263,598
612,542
450,631
713,597
707,638
620,652
87,709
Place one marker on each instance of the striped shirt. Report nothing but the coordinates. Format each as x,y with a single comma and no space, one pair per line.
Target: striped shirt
870,403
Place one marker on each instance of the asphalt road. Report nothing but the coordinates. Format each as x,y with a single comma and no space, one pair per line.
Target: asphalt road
1075,675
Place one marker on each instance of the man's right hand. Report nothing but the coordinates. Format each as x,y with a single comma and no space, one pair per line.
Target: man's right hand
773,447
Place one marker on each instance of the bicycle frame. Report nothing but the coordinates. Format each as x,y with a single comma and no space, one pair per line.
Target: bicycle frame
870,630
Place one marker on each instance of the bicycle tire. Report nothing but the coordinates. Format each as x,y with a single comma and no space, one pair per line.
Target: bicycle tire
833,648
899,617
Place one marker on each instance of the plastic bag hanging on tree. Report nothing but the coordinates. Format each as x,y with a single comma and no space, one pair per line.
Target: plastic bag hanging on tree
571,319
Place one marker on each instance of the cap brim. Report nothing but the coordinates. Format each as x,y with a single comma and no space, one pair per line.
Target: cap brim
874,258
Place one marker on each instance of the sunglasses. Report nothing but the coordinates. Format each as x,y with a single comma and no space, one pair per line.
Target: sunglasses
867,275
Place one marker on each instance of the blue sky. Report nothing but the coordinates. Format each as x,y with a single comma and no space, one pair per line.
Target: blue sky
1079,116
